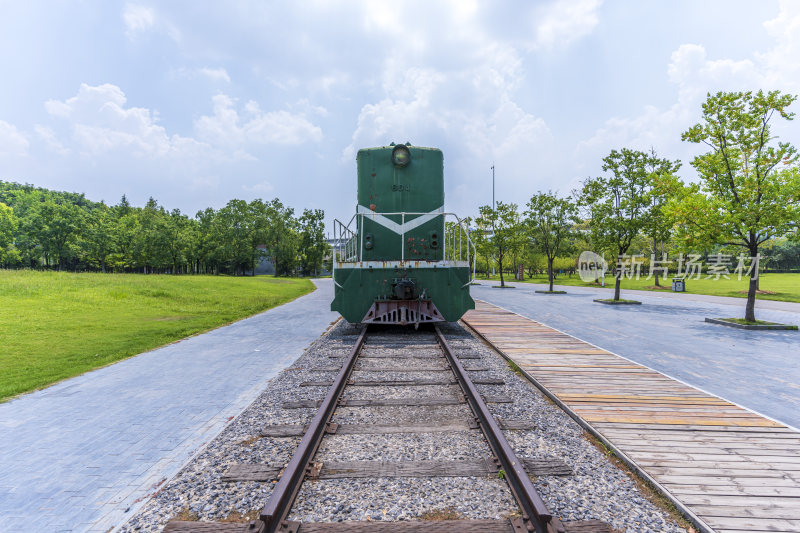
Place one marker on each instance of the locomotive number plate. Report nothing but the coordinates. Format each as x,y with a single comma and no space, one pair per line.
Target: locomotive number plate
401,188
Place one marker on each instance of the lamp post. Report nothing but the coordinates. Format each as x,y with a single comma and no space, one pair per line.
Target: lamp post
492,186
494,214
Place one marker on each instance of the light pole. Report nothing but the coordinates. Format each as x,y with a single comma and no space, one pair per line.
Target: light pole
492,186
494,215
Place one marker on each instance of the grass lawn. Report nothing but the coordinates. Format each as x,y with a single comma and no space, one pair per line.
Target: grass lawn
54,325
786,287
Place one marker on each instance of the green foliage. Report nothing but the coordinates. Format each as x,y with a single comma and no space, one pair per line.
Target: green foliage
40,228
548,223
312,241
501,229
618,205
59,324
784,254
8,227
750,186
663,184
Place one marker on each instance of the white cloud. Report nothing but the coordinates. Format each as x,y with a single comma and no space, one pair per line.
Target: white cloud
215,74
12,141
473,104
263,187
564,22
228,127
141,19
695,75
48,136
101,123
138,18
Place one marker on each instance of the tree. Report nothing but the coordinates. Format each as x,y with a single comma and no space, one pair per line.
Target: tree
506,238
617,205
663,185
58,228
549,222
749,189
282,237
100,235
312,240
8,228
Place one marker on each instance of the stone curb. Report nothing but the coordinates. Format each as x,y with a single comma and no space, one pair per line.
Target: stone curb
618,302
722,322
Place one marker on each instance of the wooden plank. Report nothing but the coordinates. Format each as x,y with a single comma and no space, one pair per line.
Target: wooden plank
754,524
284,430
251,472
379,429
411,526
768,511
185,526
374,469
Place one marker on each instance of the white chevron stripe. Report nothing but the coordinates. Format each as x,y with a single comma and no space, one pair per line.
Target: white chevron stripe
394,226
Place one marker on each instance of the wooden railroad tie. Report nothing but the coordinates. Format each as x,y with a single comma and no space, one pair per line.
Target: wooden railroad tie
373,469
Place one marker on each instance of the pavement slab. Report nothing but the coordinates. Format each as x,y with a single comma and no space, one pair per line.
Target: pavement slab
84,454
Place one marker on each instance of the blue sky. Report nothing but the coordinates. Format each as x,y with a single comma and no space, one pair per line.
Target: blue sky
196,103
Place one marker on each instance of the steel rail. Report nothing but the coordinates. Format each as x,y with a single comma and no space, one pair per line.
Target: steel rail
283,495
534,511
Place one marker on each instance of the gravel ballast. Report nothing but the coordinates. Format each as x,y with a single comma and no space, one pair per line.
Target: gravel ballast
597,490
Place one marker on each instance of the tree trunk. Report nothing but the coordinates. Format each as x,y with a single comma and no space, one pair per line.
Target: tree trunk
617,282
550,272
750,309
500,264
655,251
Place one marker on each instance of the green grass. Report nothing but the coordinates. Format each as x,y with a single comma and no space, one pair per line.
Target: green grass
786,287
55,325
750,323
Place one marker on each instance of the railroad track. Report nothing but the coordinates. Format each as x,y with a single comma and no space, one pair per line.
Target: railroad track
436,367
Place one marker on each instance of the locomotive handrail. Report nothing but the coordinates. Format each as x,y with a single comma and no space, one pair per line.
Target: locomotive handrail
349,245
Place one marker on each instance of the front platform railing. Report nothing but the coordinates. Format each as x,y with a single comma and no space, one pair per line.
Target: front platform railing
458,248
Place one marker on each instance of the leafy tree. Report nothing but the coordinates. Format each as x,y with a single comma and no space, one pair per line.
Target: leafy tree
99,235
8,228
312,240
233,229
151,242
59,224
663,185
282,237
749,189
176,226
618,205
507,237
785,254
548,221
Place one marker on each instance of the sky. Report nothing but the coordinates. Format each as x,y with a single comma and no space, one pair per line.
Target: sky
197,103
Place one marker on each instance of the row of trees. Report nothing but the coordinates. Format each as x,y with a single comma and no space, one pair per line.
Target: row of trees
748,196
40,228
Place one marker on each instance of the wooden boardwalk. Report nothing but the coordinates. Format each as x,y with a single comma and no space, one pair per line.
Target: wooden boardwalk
729,469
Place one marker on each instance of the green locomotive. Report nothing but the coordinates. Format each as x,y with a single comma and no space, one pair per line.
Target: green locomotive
402,259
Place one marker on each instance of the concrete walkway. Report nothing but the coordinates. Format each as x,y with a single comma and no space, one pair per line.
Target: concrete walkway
84,454
759,370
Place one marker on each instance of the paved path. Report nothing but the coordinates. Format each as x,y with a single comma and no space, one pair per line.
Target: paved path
77,455
759,370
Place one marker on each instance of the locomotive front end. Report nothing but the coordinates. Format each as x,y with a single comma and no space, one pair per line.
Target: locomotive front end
401,259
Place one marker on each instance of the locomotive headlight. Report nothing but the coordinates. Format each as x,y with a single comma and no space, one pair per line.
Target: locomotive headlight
401,157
